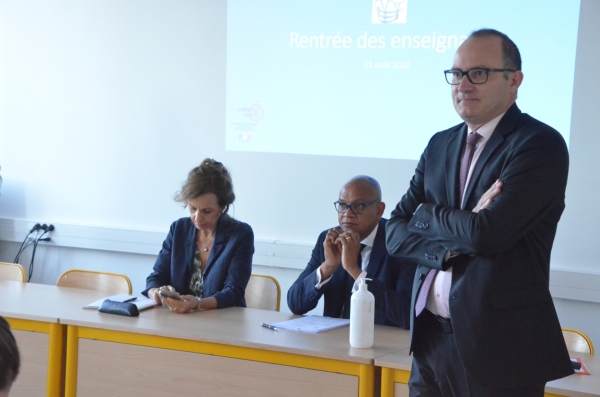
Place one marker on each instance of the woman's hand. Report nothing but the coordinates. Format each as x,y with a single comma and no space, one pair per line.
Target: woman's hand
185,304
154,293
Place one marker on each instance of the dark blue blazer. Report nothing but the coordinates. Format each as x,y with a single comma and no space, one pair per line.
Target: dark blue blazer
391,285
229,262
505,325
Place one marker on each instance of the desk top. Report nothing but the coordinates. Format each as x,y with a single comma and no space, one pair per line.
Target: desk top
572,386
40,302
241,327
579,385
233,326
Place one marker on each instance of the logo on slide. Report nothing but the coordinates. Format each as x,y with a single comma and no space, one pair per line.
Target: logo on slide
389,11
256,112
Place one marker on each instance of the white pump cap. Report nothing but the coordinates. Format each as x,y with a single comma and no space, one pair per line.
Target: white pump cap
362,285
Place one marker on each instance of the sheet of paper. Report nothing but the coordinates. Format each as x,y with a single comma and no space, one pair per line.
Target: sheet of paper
140,301
312,324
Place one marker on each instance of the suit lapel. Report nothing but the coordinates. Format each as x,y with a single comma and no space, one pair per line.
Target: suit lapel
218,244
504,127
452,163
190,249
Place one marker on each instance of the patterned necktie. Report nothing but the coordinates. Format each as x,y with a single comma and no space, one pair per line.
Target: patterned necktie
465,164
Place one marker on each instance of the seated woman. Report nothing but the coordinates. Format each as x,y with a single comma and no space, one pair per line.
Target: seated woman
207,258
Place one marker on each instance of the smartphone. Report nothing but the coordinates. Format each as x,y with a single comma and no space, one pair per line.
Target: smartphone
169,294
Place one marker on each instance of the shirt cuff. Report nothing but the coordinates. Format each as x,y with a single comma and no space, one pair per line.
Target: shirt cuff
318,282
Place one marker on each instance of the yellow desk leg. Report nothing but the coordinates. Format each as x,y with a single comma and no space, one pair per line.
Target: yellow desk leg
387,382
71,364
366,380
55,357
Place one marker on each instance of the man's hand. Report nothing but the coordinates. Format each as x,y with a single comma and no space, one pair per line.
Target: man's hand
487,198
350,242
333,253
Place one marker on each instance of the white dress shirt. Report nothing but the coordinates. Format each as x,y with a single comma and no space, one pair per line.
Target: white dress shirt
438,299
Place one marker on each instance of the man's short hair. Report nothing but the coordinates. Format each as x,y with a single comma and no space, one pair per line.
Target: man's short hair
510,53
10,361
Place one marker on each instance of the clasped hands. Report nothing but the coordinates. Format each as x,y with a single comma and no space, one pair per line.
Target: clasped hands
185,303
341,248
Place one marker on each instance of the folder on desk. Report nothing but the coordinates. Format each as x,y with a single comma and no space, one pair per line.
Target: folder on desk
582,370
140,301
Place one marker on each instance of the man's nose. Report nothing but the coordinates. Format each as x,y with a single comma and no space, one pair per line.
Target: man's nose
349,213
465,84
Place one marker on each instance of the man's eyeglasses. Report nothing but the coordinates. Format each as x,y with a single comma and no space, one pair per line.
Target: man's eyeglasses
475,75
357,208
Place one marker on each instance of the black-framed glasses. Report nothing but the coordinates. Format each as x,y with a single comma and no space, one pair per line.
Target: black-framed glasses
475,75
357,208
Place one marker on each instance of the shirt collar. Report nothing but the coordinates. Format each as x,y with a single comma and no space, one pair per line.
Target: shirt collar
370,239
488,128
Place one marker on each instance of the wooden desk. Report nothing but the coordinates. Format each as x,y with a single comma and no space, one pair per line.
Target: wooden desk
218,352
578,385
33,311
395,371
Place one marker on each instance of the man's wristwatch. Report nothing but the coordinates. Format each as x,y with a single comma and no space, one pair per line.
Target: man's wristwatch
199,299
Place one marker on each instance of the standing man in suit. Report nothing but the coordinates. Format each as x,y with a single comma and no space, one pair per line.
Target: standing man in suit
483,321
355,249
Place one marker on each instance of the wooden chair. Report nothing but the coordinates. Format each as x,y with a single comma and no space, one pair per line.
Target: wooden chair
12,272
111,283
263,292
577,341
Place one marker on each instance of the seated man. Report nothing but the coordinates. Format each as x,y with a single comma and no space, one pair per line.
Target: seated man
338,261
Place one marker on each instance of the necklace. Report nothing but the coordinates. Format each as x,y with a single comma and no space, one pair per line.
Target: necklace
205,249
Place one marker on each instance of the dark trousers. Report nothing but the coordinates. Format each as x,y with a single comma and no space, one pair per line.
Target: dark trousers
438,371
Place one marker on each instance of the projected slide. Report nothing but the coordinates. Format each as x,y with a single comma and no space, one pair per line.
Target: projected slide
365,77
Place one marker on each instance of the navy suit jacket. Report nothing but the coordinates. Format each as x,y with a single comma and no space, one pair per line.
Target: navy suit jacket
229,262
391,285
505,325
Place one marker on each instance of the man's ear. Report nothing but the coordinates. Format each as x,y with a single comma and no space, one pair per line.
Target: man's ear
515,80
380,209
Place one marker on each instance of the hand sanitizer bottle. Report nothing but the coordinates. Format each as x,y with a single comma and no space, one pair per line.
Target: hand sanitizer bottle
362,317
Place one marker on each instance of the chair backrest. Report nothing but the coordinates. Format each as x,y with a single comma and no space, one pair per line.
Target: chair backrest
111,283
12,272
263,292
577,341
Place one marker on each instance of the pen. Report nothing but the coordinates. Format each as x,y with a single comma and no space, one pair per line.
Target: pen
130,299
269,326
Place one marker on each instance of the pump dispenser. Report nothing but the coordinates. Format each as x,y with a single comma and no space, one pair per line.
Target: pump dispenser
362,317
